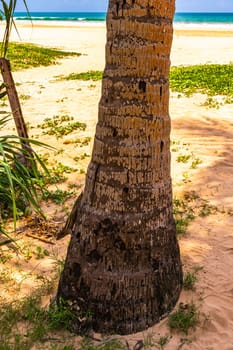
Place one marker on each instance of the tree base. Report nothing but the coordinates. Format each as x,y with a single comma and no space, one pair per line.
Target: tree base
122,299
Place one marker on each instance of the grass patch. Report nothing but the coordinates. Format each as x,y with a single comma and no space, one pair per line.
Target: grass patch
184,214
24,325
58,196
37,322
210,79
60,126
186,317
189,281
188,207
23,56
93,75
57,173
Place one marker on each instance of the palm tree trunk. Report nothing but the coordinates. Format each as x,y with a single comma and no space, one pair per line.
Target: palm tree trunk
27,152
123,263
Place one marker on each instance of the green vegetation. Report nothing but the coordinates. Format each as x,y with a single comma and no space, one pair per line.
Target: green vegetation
25,324
210,79
90,75
79,141
188,207
163,341
24,97
41,253
189,281
81,157
148,342
211,102
19,182
57,173
184,214
23,56
195,162
38,321
186,317
60,126
183,158
58,196
7,13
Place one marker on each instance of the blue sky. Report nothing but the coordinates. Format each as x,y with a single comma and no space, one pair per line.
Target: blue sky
101,5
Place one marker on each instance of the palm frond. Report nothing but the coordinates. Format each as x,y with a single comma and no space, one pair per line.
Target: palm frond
7,12
19,184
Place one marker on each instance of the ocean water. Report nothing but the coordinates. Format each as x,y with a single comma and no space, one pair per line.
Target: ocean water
62,16
217,20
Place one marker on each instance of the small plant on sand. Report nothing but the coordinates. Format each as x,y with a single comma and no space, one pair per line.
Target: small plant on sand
24,97
186,317
82,171
228,100
183,158
189,281
148,341
59,316
163,341
175,143
41,253
78,141
81,157
183,213
90,75
206,209
57,173
195,163
58,196
61,126
211,102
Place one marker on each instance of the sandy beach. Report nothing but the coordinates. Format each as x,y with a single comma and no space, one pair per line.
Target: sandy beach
203,133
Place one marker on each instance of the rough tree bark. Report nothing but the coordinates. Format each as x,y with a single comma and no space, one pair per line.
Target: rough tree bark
123,263
16,111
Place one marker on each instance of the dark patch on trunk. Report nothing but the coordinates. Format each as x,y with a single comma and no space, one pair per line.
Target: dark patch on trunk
161,146
117,8
161,91
114,290
106,227
78,235
114,132
76,271
155,264
119,244
94,257
142,86
84,290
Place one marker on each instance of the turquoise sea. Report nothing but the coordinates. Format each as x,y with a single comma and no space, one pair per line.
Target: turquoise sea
181,19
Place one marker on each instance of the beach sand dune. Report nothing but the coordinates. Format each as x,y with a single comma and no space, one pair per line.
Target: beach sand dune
206,134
